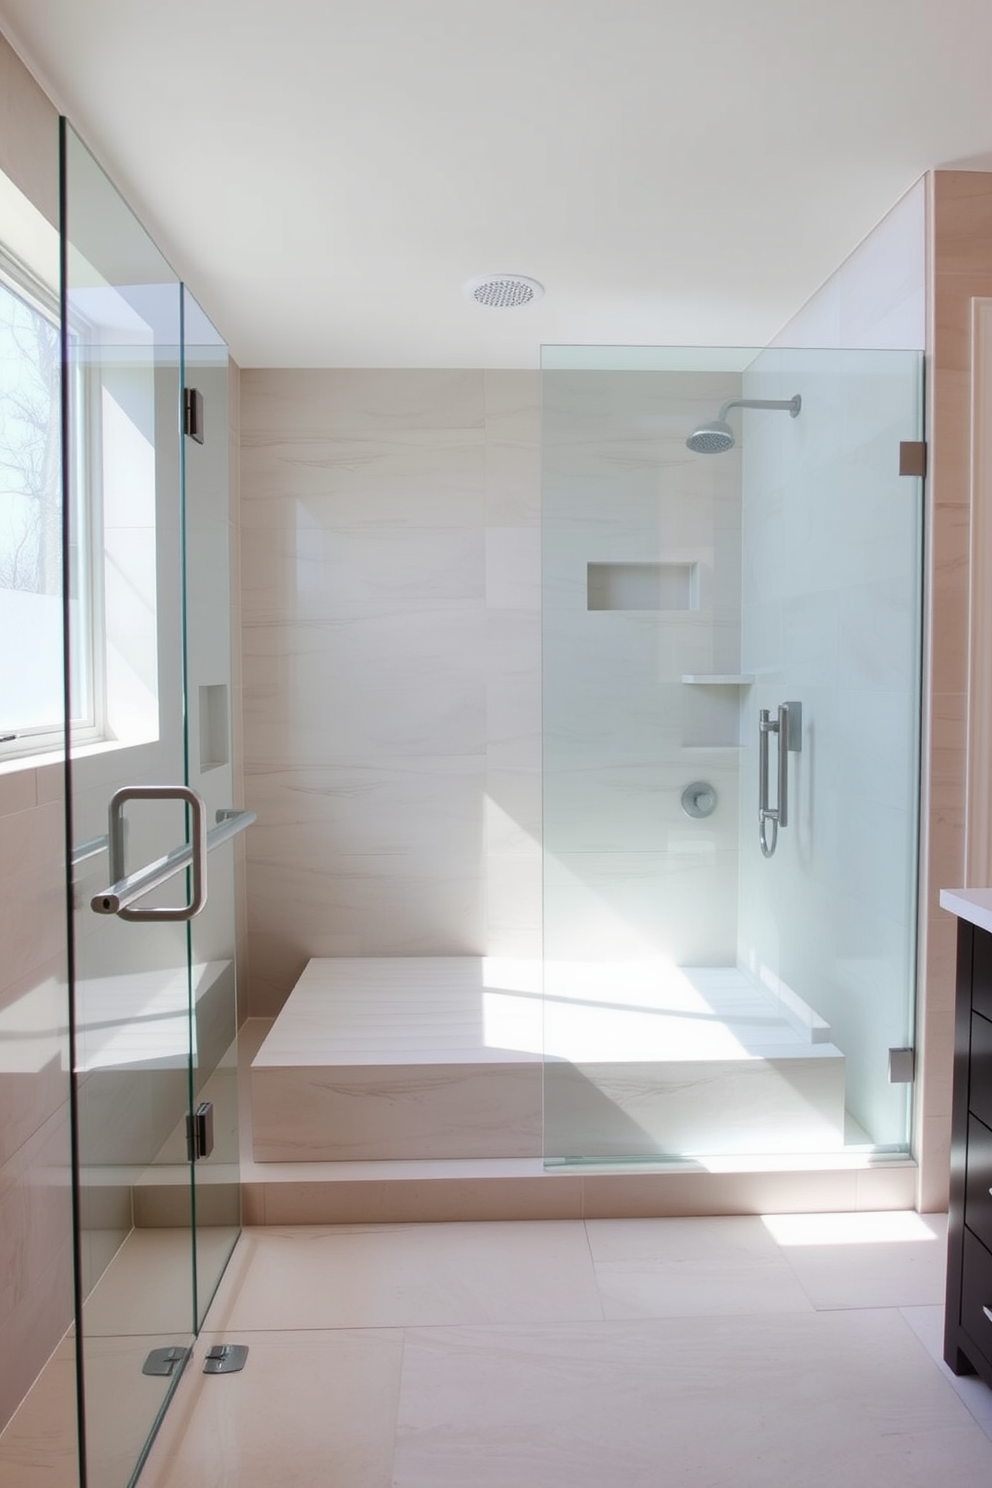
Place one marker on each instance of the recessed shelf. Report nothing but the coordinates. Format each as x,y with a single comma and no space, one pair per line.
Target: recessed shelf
718,679
642,586
215,747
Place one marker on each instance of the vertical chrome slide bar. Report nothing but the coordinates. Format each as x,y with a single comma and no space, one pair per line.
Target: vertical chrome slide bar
765,813
788,725
783,765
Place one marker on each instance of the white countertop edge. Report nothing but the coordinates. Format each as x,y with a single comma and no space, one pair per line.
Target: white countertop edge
973,905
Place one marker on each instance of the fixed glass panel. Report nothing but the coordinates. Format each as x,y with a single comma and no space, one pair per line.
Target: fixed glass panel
217,1202
702,997
131,987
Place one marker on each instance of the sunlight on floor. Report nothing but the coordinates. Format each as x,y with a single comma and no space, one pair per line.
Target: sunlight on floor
851,1229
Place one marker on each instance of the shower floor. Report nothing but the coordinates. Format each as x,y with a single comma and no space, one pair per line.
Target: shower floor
441,1057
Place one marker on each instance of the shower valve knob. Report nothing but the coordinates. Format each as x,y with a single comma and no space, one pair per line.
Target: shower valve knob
699,799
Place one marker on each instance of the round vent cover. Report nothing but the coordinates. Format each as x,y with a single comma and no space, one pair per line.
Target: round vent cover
504,291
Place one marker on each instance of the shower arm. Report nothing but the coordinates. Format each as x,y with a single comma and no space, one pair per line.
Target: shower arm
793,405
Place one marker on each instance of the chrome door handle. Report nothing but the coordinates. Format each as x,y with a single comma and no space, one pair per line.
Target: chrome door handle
126,887
788,726
130,886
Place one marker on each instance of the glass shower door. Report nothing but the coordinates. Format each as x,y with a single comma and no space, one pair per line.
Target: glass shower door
216,1175
831,624
702,998
152,991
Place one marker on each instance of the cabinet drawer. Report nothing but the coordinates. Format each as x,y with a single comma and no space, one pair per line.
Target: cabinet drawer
980,1078
978,1199
981,973
976,1294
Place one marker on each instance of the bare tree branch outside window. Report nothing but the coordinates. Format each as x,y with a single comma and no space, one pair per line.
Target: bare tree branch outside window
30,508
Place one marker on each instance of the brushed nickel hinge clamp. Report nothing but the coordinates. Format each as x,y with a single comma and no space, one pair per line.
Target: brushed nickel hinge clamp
913,457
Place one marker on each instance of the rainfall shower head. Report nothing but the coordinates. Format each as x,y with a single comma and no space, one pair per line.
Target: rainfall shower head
717,437
712,439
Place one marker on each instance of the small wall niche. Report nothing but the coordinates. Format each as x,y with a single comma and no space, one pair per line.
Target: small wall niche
215,733
643,586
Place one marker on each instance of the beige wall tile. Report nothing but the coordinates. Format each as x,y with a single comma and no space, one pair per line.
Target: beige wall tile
35,1233
33,1054
35,1257
948,715
646,1195
343,400
373,693
253,1203
934,1148
29,139
32,928
51,782
18,790
960,211
887,1187
938,1058
513,448
33,840
962,223
406,1201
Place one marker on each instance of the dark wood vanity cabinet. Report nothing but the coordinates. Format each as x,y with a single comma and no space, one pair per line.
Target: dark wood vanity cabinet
968,1316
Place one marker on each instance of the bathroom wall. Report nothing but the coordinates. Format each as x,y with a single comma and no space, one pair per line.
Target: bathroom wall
391,625
960,254
642,589
877,298
35,1227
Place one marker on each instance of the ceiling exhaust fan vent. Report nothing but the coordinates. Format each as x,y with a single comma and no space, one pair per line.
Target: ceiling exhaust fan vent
504,291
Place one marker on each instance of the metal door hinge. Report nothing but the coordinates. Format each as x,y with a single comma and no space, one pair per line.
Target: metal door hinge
200,1131
913,457
165,1361
225,1358
193,414
902,1066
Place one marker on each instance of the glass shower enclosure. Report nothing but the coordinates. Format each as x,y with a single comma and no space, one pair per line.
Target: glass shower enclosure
148,789
731,684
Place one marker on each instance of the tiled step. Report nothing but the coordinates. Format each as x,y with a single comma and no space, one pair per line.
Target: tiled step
381,1059
454,1189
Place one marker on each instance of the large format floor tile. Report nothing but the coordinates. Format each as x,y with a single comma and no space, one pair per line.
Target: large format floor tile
734,1352
390,1276
815,1400
865,1260
308,1409
678,1267
928,1325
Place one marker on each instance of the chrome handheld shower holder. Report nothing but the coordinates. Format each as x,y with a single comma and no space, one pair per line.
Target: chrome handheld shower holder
788,727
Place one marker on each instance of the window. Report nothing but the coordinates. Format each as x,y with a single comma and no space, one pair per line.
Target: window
31,653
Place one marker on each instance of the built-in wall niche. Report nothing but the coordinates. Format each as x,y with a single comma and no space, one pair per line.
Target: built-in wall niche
215,732
643,586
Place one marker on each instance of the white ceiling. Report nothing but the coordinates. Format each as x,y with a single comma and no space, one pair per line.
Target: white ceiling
327,174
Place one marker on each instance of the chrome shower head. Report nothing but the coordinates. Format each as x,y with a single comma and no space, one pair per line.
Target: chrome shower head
718,437
712,439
